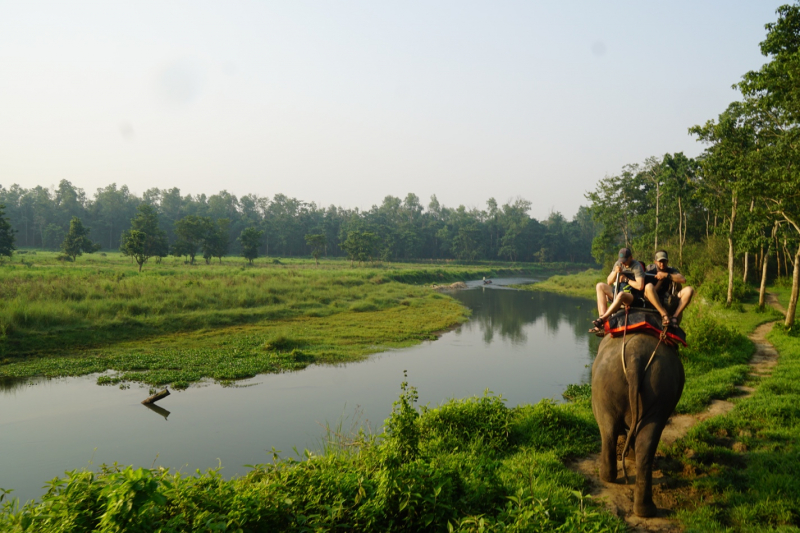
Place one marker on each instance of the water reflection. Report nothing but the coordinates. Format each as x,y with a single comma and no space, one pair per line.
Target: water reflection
507,313
158,410
521,344
13,385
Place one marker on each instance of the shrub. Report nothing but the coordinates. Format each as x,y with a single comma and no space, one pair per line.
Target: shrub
481,422
715,287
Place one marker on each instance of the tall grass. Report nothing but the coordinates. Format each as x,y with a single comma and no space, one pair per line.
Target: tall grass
48,306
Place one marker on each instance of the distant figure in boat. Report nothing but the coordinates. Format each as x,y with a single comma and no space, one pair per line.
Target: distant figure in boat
486,281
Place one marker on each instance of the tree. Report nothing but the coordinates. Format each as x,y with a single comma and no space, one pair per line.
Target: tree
250,239
192,231
360,246
217,241
6,235
317,242
77,240
145,239
773,96
727,167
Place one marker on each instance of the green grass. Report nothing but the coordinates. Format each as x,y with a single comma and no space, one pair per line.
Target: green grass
746,465
581,284
237,352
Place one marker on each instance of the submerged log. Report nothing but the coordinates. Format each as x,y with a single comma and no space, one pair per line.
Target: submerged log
155,397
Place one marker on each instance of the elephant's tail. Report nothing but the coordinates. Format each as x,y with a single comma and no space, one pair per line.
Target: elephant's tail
634,373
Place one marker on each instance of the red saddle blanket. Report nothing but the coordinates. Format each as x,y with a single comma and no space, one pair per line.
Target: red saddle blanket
643,321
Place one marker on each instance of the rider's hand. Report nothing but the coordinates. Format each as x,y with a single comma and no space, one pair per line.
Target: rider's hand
662,275
623,278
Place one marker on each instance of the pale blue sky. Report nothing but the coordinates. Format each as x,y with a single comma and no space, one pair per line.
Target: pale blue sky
345,102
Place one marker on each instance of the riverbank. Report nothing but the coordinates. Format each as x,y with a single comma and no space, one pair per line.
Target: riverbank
580,284
176,323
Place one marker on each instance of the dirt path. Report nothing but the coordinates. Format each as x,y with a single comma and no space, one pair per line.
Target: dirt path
618,496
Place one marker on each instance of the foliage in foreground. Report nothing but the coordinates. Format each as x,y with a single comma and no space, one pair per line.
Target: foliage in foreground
469,465
744,468
473,464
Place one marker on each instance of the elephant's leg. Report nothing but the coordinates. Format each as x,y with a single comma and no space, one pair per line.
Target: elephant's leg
647,442
608,452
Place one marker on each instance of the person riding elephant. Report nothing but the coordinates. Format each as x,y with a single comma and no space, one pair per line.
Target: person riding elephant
636,383
628,281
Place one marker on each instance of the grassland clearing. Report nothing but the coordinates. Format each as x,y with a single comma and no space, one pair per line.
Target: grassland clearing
176,323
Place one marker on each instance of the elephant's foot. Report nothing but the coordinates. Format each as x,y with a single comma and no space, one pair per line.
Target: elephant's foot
645,510
608,473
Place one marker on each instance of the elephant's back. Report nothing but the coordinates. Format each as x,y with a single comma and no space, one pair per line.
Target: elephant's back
638,346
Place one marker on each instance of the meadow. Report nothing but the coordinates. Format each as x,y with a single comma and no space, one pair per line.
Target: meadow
176,323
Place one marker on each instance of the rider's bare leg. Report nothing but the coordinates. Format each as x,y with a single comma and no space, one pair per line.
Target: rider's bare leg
652,297
604,294
686,295
623,298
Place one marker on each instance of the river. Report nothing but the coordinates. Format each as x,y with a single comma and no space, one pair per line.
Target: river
524,345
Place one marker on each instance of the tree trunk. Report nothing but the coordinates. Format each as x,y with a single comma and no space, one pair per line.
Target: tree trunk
655,248
729,300
762,289
680,233
746,254
777,252
790,311
746,265
785,255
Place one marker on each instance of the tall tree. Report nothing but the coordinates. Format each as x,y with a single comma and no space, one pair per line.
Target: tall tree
191,231
250,239
727,168
217,240
145,239
317,242
6,235
773,95
77,241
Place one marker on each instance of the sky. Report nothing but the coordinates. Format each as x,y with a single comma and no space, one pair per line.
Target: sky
347,102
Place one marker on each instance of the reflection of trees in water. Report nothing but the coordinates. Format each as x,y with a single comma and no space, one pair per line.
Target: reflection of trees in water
11,385
506,312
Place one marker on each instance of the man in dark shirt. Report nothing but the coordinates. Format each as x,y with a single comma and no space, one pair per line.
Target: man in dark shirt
667,282
631,284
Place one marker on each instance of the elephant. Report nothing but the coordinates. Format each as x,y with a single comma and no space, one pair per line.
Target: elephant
645,395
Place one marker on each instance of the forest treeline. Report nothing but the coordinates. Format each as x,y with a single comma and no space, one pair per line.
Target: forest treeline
402,229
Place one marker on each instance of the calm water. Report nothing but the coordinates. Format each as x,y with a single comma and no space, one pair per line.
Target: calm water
523,345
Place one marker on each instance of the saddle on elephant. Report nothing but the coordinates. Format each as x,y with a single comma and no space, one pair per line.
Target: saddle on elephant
638,320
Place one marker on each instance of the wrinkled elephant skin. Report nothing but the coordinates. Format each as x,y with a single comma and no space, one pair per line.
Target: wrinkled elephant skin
614,392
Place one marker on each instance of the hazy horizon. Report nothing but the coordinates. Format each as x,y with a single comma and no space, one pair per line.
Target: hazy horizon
347,103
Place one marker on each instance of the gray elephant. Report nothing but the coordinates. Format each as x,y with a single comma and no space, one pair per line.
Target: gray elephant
646,397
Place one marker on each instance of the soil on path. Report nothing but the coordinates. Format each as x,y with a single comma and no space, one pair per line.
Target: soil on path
667,491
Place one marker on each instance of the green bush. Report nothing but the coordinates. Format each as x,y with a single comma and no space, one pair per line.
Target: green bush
715,287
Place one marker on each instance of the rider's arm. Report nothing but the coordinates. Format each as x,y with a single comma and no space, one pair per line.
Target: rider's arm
637,283
612,278
677,277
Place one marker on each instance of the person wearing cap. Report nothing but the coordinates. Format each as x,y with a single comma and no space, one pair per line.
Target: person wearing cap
668,281
631,286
